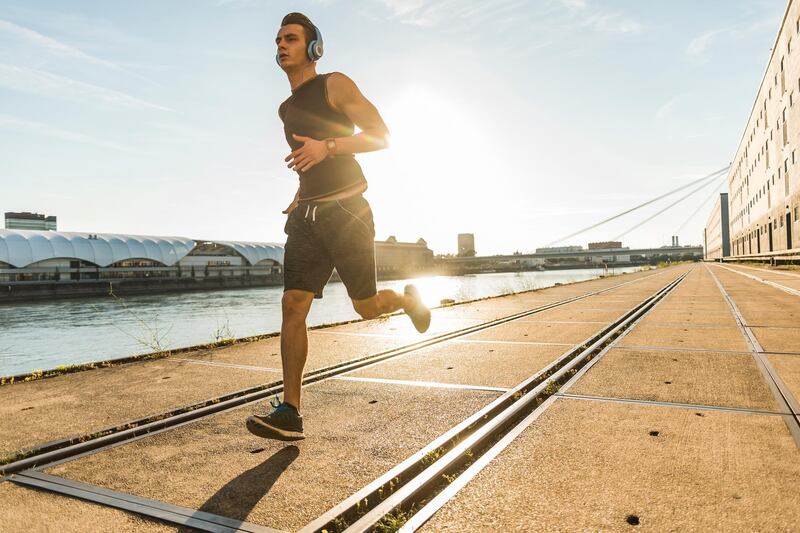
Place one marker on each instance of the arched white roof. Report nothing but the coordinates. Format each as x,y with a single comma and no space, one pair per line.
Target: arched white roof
20,248
255,252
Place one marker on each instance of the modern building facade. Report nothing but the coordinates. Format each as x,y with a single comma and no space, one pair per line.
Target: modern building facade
716,236
764,178
33,221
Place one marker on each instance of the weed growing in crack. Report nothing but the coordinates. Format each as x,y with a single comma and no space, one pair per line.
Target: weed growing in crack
432,456
394,521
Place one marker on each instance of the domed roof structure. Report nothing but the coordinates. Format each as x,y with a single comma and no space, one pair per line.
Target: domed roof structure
20,248
255,252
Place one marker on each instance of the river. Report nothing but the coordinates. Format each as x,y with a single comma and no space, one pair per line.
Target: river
41,336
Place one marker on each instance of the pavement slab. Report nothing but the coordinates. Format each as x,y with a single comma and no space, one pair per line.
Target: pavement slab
592,466
34,511
76,404
722,338
572,314
537,332
467,363
707,378
662,316
355,432
788,368
778,339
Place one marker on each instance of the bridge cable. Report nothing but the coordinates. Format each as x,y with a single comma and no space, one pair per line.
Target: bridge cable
584,230
670,206
699,208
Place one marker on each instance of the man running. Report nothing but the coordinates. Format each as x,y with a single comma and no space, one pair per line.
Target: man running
329,222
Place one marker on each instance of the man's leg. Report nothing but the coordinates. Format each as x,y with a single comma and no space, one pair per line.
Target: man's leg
389,301
294,342
386,301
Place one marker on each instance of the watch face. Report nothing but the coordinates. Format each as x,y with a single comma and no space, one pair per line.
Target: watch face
331,146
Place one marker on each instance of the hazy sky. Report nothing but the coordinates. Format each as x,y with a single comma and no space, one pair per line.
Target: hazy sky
519,121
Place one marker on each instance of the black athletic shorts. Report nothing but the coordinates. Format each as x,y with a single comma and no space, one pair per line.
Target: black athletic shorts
336,234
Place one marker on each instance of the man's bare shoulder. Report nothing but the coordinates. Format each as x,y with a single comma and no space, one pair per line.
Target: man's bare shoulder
341,88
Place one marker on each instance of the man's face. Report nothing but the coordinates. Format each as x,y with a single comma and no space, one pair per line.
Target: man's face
291,43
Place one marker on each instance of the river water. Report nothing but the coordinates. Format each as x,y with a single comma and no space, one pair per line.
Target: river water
42,336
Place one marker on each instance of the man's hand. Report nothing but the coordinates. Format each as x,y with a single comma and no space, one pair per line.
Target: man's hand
291,208
308,155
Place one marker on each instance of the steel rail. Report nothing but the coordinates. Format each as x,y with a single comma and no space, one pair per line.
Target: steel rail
65,449
783,396
413,479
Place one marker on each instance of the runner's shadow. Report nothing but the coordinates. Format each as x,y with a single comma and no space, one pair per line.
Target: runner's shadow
241,494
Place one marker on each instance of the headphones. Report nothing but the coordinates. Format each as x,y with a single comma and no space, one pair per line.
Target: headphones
315,50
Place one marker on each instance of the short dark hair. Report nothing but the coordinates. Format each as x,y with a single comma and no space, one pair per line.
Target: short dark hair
304,21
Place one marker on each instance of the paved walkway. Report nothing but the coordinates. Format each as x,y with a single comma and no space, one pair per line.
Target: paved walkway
675,427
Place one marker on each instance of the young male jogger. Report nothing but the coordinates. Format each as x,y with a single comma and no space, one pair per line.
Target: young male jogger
329,222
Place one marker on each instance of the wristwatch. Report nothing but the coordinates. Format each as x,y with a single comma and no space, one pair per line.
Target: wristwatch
331,145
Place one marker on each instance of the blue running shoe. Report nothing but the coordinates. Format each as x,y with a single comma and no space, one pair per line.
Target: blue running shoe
283,423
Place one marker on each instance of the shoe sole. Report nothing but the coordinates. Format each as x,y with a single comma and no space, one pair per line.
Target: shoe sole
260,429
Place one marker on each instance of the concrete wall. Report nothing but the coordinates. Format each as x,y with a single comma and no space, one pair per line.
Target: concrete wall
764,179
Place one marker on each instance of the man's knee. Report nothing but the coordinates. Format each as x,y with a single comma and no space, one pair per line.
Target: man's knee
296,304
367,308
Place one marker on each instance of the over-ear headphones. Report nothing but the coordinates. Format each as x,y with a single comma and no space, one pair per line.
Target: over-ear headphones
315,50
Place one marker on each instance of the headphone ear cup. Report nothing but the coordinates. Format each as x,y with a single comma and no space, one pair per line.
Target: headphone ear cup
318,49
310,50
278,59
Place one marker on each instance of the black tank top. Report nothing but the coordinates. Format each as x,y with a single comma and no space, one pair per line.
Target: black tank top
308,113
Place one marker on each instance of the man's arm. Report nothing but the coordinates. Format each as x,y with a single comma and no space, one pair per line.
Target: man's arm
344,96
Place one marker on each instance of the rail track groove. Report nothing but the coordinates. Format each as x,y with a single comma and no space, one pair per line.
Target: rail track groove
427,475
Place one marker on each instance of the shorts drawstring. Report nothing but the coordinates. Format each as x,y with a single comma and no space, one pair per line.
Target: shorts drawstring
313,213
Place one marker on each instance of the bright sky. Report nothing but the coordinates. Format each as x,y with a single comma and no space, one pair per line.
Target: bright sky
517,121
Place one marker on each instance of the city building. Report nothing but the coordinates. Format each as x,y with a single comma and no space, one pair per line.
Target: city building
716,239
394,258
558,249
605,245
764,178
33,221
466,244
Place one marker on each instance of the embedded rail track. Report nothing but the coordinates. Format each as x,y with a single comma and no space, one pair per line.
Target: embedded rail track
421,484
62,450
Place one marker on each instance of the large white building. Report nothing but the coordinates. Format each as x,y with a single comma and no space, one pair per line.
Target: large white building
764,179
30,256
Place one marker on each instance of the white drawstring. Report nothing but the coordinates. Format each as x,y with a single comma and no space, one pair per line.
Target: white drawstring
314,214
307,208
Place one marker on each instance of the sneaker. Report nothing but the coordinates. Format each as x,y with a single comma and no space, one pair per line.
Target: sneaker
419,314
283,423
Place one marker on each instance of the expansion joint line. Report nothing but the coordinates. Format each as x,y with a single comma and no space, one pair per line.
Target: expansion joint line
426,477
783,396
64,450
